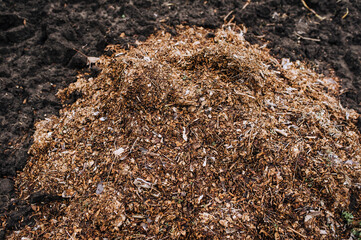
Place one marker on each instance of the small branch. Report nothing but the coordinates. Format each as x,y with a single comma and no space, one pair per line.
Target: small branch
297,233
313,11
310,39
245,5
343,17
226,17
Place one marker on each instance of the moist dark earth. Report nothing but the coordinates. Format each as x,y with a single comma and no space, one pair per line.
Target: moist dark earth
45,44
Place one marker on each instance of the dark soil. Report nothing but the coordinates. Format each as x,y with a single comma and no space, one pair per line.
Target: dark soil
40,43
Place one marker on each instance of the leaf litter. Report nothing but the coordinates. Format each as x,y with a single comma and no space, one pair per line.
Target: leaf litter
195,137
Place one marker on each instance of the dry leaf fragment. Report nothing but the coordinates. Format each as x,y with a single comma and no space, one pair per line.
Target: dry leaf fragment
224,223
120,220
92,60
312,214
199,199
100,188
144,226
308,218
282,132
204,162
142,183
286,64
185,135
119,151
245,217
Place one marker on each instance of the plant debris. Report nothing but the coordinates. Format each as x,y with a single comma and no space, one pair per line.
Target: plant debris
201,138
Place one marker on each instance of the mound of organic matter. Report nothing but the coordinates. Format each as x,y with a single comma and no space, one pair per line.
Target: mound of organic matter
196,136
43,43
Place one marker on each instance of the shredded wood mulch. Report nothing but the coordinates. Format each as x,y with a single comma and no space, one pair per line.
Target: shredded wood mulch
197,136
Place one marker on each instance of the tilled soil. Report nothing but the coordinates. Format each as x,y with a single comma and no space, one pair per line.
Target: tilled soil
44,44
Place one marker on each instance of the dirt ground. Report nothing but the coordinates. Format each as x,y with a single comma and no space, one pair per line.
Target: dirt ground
44,44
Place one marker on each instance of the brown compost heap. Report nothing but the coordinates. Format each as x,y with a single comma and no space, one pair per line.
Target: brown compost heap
197,136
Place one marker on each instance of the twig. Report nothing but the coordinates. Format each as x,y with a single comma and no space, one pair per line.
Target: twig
225,18
245,5
313,11
294,171
310,39
300,234
131,149
69,234
243,94
80,52
343,17
90,60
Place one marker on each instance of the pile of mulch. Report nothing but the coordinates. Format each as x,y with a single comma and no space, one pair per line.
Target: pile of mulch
198,136
44,43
